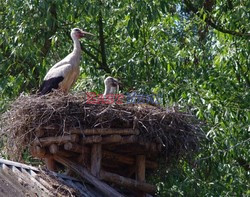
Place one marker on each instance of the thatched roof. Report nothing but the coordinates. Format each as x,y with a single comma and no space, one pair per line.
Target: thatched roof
179,133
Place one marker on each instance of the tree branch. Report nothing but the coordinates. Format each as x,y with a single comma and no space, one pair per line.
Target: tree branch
47,43
102,43
95,58
211,22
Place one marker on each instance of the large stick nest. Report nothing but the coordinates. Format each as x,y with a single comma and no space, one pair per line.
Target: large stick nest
178,132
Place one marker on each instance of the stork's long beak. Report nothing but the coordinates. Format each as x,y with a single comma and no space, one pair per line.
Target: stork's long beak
86,33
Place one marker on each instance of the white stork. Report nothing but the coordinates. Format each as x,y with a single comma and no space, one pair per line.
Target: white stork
111,86
64,74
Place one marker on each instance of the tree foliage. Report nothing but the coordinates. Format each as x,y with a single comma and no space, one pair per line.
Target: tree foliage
190,53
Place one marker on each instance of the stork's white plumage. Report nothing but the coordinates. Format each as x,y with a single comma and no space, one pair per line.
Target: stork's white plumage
111,86
64,74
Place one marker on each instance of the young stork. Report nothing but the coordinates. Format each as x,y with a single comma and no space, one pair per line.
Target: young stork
111,86
64,74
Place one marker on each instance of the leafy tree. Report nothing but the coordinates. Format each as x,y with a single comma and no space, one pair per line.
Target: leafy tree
194,54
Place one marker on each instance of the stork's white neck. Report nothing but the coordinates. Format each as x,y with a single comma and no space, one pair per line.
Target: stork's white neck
109,90
77,45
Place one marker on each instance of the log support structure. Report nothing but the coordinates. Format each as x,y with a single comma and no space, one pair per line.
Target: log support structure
101,154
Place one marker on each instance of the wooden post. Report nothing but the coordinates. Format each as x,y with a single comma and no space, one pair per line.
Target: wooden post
96,159
50,163
140,172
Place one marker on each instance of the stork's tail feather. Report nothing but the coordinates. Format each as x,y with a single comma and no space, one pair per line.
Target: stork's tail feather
50,84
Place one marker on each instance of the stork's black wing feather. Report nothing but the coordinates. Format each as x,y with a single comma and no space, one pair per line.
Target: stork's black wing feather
50,84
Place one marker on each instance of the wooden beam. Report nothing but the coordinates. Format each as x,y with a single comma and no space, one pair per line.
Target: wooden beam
127,182
46,141
83,172
106,131
76,148
96,159
111,139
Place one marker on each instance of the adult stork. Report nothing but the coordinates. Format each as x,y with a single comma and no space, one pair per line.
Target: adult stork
64,74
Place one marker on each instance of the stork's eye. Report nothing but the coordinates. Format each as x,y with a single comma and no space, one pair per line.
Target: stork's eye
77,30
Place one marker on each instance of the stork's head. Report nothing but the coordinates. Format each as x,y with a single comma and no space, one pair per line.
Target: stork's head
78,33
111,82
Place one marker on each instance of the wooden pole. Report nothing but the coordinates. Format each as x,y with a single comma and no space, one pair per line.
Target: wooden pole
140,172
83,172
96,159
127,182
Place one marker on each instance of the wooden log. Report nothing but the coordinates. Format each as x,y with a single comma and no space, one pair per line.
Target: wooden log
50,163
111,139
83,172
103,140
127,182
76,148
96,159
106,131
91,140
46,141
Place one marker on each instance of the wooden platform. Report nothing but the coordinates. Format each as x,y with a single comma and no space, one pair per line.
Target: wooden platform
117,156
